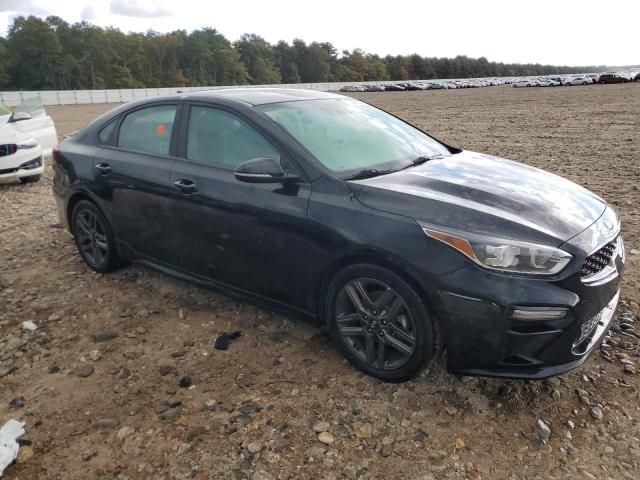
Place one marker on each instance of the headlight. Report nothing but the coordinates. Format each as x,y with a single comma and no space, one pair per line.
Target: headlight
505,255
30,143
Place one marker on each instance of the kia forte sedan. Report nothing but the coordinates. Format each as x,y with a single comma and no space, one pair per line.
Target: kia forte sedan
399,245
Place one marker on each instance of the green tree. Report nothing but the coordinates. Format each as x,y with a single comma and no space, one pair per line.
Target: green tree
53,54
35,54
258,57
4,58
286,62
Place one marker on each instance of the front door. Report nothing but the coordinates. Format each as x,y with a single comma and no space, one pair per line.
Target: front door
250,236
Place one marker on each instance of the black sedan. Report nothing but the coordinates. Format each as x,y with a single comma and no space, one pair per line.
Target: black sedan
323,206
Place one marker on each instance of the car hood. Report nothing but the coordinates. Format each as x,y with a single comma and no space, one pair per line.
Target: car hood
8,134
484,194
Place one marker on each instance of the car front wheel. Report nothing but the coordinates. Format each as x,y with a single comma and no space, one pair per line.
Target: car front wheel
94,237
380,323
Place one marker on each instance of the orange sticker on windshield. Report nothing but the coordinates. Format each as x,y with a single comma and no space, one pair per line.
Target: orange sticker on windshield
160,129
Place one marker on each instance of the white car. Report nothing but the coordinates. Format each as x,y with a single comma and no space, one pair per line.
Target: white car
577,81
547,82
524,82
27,134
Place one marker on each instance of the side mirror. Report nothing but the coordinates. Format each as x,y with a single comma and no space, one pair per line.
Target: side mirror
262,170
19,116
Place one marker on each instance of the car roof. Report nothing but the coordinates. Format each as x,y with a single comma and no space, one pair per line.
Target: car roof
260,96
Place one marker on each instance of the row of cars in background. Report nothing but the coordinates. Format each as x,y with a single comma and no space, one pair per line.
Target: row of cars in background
583,79
27,134
541,81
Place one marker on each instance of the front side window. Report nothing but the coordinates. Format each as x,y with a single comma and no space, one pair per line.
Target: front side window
148,130
346,135
219,139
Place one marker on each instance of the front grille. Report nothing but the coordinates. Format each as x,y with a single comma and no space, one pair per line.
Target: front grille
7,170
597,261
7,149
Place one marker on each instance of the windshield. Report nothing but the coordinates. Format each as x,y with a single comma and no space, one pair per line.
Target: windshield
31,105
348,136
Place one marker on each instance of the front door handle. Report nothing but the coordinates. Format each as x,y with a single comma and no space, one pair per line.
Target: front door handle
187,187
103,168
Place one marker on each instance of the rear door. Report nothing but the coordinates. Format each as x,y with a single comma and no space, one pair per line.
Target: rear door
247,235
132,171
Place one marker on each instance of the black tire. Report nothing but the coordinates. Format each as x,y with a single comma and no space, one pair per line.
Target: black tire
31,179
404,342
94,237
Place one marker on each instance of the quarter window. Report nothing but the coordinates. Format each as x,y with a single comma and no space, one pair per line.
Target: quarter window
148,130
219,139
104,137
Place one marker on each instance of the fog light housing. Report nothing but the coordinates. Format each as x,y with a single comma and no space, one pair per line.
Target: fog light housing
31,164
538,313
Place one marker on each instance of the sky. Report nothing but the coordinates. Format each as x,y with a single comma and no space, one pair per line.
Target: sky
558,32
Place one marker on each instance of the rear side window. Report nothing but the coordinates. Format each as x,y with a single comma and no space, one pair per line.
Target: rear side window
219,139
148,130
106,134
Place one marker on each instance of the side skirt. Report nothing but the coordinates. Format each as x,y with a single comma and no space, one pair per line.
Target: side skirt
230,291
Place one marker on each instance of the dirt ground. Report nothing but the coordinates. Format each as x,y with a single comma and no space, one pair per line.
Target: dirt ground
121,380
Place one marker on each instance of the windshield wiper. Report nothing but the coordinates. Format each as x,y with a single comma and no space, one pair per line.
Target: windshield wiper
374,172
422,159
368,173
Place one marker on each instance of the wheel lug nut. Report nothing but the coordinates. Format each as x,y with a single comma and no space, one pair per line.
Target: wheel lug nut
374,312
381,333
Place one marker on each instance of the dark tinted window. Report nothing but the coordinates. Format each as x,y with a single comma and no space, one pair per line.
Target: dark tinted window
105,135
148,130
220,139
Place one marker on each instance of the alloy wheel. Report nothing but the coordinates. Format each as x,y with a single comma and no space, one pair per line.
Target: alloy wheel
92,237
375,323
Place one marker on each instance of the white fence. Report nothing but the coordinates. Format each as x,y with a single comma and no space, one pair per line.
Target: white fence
76,97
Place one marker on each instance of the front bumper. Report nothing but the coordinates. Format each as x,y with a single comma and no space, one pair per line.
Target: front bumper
33,166
543,351
483,337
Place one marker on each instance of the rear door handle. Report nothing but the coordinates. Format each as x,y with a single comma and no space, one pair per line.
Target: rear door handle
187,187
103,168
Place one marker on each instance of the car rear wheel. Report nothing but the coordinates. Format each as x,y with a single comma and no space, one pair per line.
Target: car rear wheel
31,179
380,323
94,237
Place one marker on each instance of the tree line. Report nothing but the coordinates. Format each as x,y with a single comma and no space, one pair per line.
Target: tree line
51,54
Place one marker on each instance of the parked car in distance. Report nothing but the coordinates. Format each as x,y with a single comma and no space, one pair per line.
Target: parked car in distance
320,205
26,134
577,81
612,78
20,155
524,82
30,118
547,82
353,88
